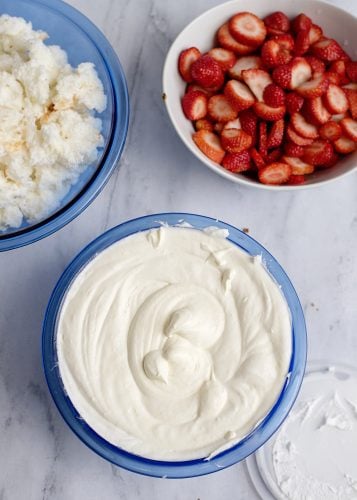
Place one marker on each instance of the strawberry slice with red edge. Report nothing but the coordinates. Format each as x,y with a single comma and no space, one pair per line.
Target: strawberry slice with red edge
301,23
293,102
286,41
277,21
235,140
273,54
316,111
351,95
276,134
268,113
328,50
203,124
335,100
330,131
185,61
302,42
315,33
298,167
318,153
249,121
274,95
291,149
275,173
220,109
206,72
225,58
349,127
296,138
233,124
243,63
194,105
344,145
303,127
236,162
247,28
257,80
317,66
292,75
313,88
209,144
274,155
239,95
226,40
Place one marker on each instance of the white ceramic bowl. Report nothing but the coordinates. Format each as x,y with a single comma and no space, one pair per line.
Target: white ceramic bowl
335,22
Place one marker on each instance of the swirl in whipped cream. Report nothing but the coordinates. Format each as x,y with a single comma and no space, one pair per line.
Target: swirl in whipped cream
173,343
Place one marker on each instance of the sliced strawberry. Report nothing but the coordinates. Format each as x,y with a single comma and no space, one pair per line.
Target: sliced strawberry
301,23
282,76
194,105
277,21
292,75
263,139
339,67
267,112
225,58
236,162
274,95
302,127
350,86
186,58
274,155
204,124
248,121
349,127
351,95
328,50
296,138
318,153
209,144
317,66
293,102
275,137
207,72
257,80
298,167
257,158
239,95
331,131
286,41
315,34
275,173
234,140
333,77
313,88
243,63
330,163
339,117
248,29
316,111
351,70
220,109
302,42
344,145
296,180
226,40
294,150
233,124
335,99
273,54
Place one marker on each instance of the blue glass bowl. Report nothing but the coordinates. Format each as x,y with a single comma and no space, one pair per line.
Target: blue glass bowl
83,42
192,467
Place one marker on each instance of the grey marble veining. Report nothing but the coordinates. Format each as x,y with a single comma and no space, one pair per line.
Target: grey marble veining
312,233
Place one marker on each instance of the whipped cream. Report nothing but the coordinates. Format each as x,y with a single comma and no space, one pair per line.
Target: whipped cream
315,453
173,343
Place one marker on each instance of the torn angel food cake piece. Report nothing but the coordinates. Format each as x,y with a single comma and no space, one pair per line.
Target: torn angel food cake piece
48,130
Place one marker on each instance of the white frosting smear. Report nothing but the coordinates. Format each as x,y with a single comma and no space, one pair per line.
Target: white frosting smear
315,453
173,343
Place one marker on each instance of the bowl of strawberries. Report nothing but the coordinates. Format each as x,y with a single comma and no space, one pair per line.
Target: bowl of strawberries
267,98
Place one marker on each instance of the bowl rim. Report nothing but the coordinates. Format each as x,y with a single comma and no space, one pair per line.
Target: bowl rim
160,468
119,131
215,167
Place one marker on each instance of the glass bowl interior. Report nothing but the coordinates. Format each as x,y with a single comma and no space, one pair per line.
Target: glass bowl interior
83,42
176,469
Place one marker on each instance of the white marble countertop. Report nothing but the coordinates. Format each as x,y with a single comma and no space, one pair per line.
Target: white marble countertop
312,233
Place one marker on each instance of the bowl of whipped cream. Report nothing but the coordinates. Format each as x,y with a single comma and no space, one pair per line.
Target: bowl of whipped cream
174,345
64,112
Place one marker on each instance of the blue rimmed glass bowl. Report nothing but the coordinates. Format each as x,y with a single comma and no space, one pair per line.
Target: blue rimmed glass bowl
118,456
83,42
